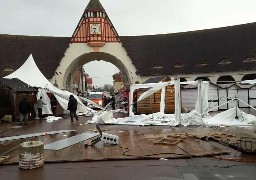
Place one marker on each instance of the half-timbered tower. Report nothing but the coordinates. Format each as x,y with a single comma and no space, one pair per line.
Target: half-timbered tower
95,38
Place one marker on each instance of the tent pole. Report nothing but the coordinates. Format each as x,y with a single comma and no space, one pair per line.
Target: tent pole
236,117
177,101
132,88
162,103
200,96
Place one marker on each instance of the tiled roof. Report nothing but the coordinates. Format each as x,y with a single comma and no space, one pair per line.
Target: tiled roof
17,85
153,55
95,5
155,79
194,52
47,52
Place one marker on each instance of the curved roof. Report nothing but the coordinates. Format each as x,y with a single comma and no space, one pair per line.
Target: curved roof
195,51
47,52
205,51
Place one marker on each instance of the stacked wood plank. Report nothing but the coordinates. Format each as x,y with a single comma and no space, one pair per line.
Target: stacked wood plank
151,104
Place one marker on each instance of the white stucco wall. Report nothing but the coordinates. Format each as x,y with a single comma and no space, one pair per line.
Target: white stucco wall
74,51
237,75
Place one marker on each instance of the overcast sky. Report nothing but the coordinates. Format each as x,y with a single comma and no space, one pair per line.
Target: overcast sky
130,17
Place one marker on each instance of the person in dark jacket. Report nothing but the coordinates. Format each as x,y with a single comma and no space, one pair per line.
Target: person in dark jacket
54,104
72,107
24,109
113,102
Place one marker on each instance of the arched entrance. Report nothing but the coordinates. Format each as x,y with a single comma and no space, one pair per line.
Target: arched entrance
78,63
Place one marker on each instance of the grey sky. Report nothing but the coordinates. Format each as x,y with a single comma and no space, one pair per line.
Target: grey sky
130,17
99,74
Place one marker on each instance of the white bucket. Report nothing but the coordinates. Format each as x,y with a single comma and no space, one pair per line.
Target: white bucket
31,155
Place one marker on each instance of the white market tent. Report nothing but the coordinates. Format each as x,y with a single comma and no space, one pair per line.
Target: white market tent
30,74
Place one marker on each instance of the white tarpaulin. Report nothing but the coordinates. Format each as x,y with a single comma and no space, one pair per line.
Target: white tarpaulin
202,100
63,98
47,107
30,74
159,86
154,89
226,118
231,117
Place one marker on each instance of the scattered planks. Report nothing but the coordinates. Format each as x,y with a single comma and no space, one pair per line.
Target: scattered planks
4,158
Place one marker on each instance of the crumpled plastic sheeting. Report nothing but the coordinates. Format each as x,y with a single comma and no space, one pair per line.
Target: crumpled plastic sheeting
192,118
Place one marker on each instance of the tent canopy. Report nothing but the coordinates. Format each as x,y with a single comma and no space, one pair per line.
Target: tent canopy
30,74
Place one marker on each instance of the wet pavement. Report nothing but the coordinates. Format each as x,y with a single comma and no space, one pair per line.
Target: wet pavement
172,169
143,152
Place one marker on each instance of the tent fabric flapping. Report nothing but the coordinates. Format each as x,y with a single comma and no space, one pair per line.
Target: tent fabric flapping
30,74
47,107
154,89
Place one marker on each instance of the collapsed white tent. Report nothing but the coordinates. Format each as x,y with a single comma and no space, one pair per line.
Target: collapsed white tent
31,75
154,87
231,117
199,116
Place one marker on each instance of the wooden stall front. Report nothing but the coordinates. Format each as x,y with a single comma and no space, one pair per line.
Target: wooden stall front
11,93
151,104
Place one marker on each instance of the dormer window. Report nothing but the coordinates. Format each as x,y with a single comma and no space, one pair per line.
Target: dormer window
249,59
157,66
178,65
201,63
8,69
225,61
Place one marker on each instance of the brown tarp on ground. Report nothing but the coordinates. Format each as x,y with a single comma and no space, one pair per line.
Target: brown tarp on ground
134,143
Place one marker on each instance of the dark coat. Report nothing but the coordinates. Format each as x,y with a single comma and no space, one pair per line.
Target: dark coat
72,104
24,107
54,102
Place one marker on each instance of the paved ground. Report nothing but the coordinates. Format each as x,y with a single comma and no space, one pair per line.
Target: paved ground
219,167
181,169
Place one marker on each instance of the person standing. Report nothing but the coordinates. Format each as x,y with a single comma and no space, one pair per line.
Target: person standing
105,101
113,102
40,103
72,107
24,109
135,103
54,104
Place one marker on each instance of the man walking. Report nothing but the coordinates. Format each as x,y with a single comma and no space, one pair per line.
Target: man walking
24,109
72,107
